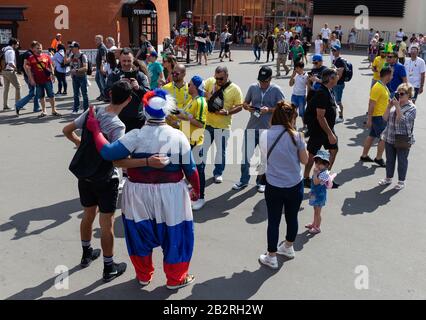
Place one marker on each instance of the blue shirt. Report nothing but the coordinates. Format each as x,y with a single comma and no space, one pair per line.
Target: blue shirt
398,74
58,59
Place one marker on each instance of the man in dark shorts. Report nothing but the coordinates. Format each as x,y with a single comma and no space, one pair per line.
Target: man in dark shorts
322,111
102,193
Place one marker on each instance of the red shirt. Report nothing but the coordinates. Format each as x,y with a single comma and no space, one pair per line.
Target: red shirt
39,74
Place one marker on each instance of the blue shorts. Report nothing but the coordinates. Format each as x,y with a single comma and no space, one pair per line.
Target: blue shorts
377,127
338,92
300,103
45,89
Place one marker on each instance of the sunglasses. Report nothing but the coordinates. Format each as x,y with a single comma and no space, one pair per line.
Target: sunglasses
390,57
315,62
220,79
401,94
175,73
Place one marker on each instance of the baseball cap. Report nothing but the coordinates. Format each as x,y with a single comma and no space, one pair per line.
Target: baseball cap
415,46
75,44
317,58
323,155
336,47
265,73
154,54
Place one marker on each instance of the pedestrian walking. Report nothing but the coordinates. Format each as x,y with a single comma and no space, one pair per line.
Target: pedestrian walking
9,73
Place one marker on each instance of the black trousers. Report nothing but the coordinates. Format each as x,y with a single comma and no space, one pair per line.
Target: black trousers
62,81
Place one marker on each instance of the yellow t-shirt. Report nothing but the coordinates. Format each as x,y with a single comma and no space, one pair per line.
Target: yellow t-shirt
198,109
182,96
378,62
381,95
232,96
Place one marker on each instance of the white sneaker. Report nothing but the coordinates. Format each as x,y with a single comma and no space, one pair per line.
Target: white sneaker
385,182
400,185
74,112
267,260
287,252
239,186
218,179
261,188
339,120
122,182
198,205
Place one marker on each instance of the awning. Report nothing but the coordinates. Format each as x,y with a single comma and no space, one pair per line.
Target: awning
12,13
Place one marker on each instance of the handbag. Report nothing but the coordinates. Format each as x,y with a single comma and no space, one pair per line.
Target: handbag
262,179
217,101
402,141
47,72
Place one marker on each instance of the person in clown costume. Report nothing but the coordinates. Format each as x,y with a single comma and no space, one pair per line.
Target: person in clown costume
156,203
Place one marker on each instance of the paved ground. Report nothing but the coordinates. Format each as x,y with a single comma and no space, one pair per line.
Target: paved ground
364,225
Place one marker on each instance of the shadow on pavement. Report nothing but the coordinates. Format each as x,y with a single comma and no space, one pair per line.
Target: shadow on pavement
367,201
60,213
218,208
259,214
359,170
241,286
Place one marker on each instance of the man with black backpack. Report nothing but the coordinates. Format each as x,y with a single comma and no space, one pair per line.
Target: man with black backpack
79,65
344,71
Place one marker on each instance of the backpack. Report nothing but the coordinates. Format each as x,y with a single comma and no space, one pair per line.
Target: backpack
87,163
3,59
349,70
89,65
216,101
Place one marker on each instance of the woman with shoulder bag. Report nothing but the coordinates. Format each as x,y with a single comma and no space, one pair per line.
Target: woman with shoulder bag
398,135
61,70
283,150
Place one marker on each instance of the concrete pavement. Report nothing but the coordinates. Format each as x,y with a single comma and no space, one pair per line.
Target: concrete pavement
365,227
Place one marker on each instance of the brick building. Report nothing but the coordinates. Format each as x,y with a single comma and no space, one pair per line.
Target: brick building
81,20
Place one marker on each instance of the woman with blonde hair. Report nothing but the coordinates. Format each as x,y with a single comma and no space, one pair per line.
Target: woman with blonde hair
283,152
398,135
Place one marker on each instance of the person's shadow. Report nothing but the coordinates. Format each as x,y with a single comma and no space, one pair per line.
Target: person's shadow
60,213
219,207
367,201
359,170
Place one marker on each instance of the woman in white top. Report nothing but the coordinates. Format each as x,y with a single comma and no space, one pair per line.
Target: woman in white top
352,39
319,47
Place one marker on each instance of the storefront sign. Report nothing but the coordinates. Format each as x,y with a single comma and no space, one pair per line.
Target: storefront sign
141,12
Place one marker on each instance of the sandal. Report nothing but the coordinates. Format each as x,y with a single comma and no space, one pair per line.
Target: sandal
385,182
56,114
315,230
186,282
309,226
42,115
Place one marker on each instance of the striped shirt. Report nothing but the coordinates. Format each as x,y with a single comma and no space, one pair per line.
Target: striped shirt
405,126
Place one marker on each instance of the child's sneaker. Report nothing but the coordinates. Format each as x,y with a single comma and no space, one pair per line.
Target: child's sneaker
288,252
267,260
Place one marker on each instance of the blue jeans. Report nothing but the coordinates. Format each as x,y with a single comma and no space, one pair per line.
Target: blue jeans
45,89
31,94
101,82
251,141
278,199
392,154
338,92
300,102
209,138
257,51
80,83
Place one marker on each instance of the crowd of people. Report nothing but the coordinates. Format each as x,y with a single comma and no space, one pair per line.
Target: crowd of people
158,126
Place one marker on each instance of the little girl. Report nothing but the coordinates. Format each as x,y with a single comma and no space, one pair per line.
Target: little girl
321,181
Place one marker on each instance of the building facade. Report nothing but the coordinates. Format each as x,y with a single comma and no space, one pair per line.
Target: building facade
384,16
253,14
79,20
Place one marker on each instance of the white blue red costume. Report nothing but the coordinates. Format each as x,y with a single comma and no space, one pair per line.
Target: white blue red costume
156,203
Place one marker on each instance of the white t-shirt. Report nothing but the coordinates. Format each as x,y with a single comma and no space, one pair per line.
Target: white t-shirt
288,35
318,44
414,70
326,33
300,82
9,57
400,35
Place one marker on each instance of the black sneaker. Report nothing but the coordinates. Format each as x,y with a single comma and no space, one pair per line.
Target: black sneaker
89,257
114,271
307,183
380,162
366,159
17,111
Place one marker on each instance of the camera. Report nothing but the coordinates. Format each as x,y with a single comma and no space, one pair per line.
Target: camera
256,113
130,75
397,96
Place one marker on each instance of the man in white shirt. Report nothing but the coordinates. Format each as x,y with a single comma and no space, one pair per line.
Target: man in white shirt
325,32
416,69
288,34
399,35
9,72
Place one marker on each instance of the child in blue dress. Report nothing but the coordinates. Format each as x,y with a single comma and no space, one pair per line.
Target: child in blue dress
321,181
